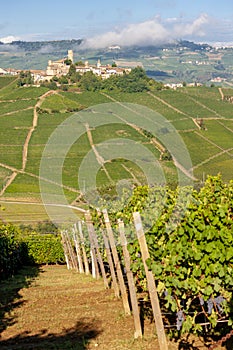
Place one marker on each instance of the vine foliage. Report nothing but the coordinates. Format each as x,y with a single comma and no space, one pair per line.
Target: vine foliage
190,239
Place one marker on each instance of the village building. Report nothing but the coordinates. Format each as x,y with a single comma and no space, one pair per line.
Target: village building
103,71
3,71
59,67
12,71
38,75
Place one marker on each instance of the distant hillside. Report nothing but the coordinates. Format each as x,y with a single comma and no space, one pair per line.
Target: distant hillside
53,45
202,116
176,62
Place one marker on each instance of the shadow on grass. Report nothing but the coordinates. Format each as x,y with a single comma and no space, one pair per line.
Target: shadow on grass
75,338
10,297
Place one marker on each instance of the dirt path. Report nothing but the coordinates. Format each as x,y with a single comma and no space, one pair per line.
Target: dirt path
27,140
9,180
17,171
222,151
56,308
14,112
206,107
169,105
132,174
211,158
64,310
99,158
34,125
155,142
221,93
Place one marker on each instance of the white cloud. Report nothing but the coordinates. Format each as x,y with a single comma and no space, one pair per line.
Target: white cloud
150,32
8,39
197,27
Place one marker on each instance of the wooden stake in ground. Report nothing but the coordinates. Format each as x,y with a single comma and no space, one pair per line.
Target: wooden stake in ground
95,267
86,265
96,247
110,261
151,284
132,291
74,263
78,250
117,263
111,266
66,252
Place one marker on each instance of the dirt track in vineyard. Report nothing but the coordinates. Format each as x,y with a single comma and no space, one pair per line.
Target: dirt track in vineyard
56,308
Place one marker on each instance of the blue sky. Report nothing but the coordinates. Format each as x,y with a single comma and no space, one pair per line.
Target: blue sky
117,22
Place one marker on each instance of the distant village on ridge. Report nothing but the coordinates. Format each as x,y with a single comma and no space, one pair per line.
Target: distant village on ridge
61,67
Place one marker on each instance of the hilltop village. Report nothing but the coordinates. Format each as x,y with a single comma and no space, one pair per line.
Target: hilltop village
62,66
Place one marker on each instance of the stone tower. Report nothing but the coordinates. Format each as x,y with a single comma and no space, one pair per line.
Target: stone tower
71,56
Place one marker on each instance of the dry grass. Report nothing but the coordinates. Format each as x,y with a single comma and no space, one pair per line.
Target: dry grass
53,308
64,310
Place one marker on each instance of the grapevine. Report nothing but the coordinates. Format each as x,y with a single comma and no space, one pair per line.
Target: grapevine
190,236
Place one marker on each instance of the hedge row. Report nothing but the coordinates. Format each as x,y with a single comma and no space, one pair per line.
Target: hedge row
44,248
20,248
13,251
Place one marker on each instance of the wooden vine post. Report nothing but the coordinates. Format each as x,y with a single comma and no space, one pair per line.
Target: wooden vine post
78,249
111,266
71,251
96,247
132,291
151,284
95,267
123,290
66,251
86,265
110,261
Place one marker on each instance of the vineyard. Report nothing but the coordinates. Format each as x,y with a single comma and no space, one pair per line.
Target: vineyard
199,115
187,250
190,255
163,247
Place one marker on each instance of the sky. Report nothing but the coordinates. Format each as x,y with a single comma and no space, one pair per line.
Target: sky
123,22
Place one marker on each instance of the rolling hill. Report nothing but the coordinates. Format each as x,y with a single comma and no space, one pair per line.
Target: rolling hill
200,117
177,62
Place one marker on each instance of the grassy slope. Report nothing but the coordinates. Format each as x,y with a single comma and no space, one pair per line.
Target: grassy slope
54,308
210,149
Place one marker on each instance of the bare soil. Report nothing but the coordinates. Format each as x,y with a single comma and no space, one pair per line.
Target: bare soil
54,308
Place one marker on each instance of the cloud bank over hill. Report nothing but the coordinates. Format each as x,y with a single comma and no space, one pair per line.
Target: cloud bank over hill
8,39
150,32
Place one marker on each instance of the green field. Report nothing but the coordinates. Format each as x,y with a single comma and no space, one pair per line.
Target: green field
59,102
210,149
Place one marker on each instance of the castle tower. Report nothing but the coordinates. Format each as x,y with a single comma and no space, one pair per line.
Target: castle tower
70,55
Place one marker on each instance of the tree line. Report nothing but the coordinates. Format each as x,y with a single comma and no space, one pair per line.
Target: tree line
135,81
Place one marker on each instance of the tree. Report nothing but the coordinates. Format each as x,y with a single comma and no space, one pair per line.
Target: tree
72,70
89,81
25,78
68,62
55,78
80,63
63,80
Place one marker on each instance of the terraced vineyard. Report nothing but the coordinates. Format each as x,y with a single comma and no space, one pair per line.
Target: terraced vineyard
29,115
